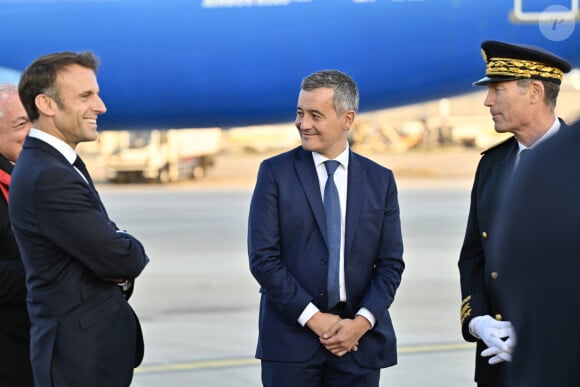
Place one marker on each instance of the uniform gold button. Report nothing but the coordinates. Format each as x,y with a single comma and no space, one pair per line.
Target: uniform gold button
484,235
494,275
498,317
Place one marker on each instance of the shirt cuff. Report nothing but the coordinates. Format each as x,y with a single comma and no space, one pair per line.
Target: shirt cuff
307,313
368,315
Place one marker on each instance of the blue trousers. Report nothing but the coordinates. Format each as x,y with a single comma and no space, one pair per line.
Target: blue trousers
323,370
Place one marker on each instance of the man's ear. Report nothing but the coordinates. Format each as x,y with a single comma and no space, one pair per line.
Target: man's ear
349,119
45,104
537,92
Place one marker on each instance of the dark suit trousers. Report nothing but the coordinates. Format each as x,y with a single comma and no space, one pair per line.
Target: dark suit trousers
15,370
323,370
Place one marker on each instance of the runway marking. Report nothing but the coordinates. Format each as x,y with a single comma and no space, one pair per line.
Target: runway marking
435,348
230,363
204,364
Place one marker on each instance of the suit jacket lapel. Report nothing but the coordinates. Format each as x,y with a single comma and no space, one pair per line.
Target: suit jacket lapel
306,171
32,142
354,200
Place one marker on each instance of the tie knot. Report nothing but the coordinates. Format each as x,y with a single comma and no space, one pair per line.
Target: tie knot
331,166
78,162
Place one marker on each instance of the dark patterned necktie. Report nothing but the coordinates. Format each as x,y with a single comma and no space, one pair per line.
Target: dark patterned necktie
332,212
80,165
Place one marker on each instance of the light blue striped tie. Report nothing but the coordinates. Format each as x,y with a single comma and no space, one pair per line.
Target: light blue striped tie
332,212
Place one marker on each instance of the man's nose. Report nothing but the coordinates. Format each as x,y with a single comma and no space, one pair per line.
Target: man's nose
100,107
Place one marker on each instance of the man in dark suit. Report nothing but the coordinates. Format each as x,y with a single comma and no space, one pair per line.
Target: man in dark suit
15,368
523,84
538,254
79,266
325,245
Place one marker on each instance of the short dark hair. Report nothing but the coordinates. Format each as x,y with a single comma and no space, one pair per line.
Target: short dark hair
40,76
345,90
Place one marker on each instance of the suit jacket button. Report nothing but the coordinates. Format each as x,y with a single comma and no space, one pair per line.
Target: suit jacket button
498,317
484,235
322,293
494,275
323,261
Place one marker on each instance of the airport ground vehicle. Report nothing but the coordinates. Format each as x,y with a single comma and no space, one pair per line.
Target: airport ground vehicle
160,155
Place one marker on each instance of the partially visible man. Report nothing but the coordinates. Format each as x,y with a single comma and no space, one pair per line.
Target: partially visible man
538,254
325,245
15,368
523,83
79,266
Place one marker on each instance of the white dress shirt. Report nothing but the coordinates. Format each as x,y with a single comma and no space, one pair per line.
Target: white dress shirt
62,147
341,182
549,133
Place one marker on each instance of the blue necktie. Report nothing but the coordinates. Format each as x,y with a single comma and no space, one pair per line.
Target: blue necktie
332,212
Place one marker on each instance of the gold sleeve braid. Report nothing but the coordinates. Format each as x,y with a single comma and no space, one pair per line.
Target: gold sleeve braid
465,308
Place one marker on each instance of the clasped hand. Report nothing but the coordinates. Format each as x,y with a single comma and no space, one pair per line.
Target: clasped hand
339,336
499,336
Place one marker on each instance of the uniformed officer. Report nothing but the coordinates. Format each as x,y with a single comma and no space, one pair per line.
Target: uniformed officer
523,84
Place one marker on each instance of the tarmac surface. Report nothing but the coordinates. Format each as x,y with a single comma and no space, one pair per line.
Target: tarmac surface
198,302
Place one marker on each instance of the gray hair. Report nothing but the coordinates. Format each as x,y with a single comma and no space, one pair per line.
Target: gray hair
5,90
551,90
345,90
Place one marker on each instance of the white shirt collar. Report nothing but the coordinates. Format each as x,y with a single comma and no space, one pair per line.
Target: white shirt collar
61,146
341,158
549,133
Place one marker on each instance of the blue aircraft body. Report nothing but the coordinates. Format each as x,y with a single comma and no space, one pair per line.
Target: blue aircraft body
198,63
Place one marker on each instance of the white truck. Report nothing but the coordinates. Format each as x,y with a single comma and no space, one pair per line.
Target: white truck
161,155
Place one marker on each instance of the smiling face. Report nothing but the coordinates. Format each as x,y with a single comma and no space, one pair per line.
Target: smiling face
14,125
320,129
76,105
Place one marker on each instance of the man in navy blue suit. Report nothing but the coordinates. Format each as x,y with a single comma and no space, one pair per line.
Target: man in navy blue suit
79,266
328,272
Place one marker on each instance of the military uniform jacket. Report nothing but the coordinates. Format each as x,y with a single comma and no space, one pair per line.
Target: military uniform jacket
478,278
481,280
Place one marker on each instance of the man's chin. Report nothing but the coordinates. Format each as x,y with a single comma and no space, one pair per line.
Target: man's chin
91,135
308,145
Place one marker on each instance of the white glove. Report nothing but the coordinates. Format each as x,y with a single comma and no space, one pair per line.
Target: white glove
492,331
497,355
